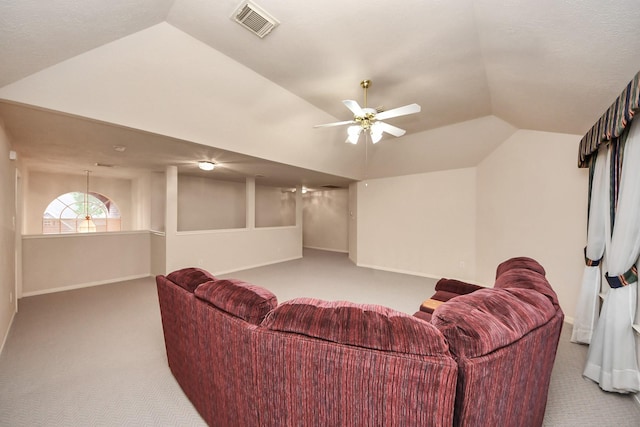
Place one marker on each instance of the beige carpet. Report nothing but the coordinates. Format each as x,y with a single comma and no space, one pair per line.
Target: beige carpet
95,356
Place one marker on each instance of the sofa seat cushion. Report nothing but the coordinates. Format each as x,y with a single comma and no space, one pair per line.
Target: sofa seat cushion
444,295
244,300
190,278
489,319
362,325
457,287
423,315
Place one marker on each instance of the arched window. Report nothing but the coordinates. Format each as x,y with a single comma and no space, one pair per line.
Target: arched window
67,213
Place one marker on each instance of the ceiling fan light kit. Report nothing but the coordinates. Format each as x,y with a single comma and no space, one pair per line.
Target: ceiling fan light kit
369,119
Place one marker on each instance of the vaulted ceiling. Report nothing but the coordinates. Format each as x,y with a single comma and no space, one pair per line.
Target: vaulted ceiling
544,65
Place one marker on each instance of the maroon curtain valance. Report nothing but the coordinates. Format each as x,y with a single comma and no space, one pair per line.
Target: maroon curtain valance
612,123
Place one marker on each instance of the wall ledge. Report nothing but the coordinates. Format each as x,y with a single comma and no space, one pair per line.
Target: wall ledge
83,235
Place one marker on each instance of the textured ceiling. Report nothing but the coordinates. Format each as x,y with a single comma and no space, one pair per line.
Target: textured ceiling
543,65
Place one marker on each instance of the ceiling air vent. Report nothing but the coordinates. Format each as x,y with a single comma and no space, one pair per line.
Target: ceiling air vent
254,19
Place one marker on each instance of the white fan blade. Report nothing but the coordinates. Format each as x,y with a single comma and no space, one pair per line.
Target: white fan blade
347,122
354,107
400,111
393,130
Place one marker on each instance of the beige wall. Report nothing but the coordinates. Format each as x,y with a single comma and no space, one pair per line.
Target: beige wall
275,207
158,201
209,204
326,220
137,87
353,222
44,187
527,198
422,224
532,201
66,261
158,253
141,202
223,251
7,237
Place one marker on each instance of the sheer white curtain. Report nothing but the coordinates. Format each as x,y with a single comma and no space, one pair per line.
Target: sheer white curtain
587,310
612,360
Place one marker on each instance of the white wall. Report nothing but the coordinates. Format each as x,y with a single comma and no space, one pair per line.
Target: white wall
422,224
209,204
326,220
44,187
7,237
58,262
532,201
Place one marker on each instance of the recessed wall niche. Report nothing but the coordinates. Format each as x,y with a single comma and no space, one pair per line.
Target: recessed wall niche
209,204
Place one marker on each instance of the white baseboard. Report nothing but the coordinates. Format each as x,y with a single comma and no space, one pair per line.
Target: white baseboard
6,334
326,249
83,285
248,267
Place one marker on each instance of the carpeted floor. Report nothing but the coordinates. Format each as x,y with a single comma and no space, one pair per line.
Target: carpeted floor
95,356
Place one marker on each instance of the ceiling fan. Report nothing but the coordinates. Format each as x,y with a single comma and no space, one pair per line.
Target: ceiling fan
369,119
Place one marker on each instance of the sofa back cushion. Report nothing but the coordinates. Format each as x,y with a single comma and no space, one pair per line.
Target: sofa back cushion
190,278
488,319
244,300
361,325
520,262
524,278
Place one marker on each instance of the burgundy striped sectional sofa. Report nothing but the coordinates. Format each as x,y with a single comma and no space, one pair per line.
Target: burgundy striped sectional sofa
483,358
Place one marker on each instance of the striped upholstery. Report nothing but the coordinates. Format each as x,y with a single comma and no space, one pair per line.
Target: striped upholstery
181,336
505,341
520,262
227,368
456,287
190,278
509,386
362,325
489,319
527,279
445,290
484,359
246,301
305,381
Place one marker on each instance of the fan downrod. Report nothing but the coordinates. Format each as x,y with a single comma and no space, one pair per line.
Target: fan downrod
365,85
